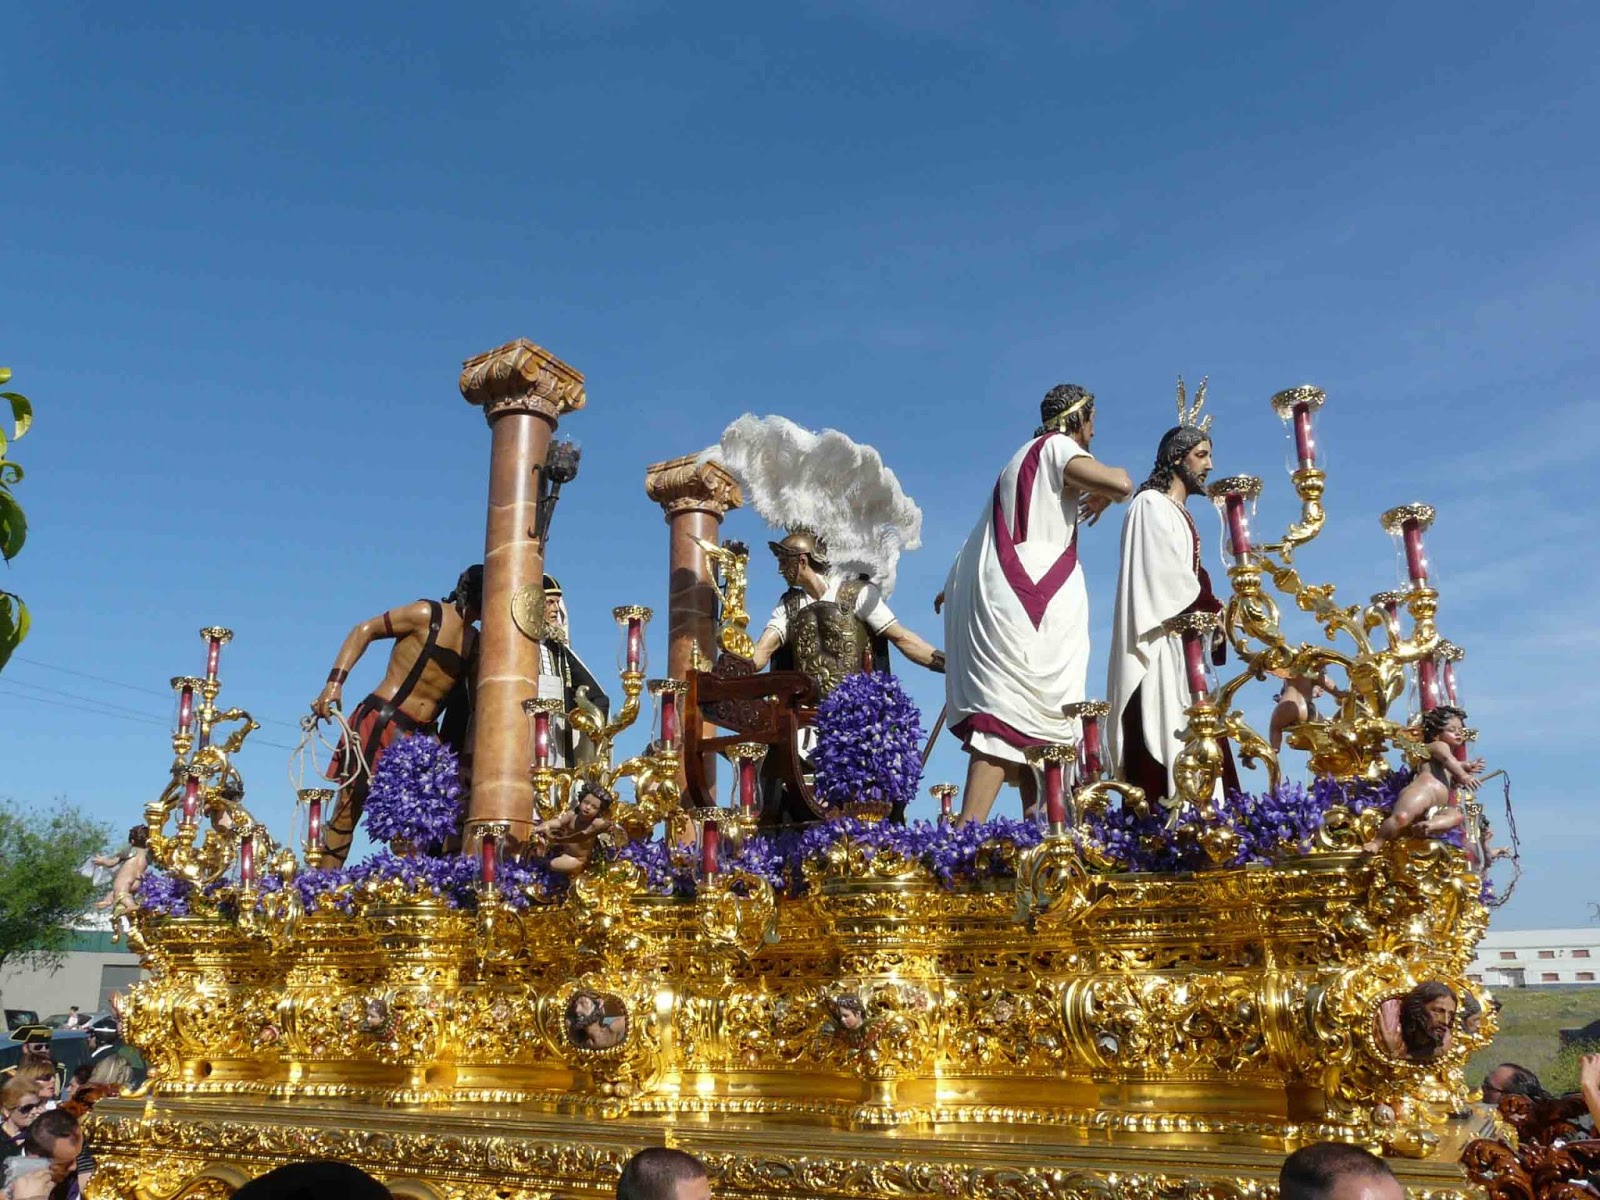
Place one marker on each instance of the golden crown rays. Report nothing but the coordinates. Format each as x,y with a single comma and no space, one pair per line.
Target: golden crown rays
1188,416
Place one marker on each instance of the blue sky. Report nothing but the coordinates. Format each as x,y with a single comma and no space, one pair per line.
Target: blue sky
245,255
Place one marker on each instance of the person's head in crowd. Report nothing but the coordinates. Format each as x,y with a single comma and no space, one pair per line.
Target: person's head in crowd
35,1041
57,1136
20,1106
1335,1171
79,1078
325,1180
661,1173
1427,1014
42,1076
1512,1079
112,1069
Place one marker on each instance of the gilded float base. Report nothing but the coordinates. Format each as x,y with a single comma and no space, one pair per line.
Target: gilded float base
172,1148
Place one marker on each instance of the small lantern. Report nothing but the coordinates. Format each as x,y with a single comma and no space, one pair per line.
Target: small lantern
1449,656
247,861
492,837
216,637
710,841
945,794
631,654
1195,629
1235,498
1295,407
1091,748
1052,760
314,799
1406,524
1390,602
748,755
191,799
185,686
668,696
541,711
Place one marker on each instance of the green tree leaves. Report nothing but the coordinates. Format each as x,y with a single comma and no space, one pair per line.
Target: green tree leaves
41,892
13,522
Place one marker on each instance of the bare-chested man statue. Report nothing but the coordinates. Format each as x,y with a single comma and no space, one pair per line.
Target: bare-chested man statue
429,666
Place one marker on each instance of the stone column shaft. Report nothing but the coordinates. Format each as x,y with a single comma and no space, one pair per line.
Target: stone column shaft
524,391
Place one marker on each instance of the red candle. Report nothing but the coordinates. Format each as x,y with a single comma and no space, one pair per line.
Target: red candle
1450,684
213,656
247,862
1238,526
710,839
541,739
1091,748
747,785
1194,658
1305,446
1054,805
669,720
487,858
635,644
185,708
191,799
1416,564
1428,683
314,824
945,811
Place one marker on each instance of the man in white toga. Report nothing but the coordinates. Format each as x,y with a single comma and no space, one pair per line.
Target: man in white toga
1161,576
1016,625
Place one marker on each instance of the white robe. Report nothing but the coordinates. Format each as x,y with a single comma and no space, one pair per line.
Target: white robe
1157,580
1016,623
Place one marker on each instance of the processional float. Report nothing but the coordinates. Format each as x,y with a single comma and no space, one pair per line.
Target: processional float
1043,1020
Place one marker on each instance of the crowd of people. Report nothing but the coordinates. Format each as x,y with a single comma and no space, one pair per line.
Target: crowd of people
43,1153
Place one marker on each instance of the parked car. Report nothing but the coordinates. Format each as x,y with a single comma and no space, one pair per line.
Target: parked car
18,1017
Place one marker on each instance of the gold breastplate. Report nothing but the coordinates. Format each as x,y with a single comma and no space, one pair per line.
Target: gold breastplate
830,643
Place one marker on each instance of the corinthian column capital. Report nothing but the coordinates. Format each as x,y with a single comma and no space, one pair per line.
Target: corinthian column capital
522,377
684,485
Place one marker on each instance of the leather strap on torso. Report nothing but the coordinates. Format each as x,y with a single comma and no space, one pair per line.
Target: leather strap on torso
429,652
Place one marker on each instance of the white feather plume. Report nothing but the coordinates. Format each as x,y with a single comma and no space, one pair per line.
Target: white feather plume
826,481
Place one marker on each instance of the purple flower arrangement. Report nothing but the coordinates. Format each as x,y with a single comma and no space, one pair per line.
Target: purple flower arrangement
869,743
416,794
163,894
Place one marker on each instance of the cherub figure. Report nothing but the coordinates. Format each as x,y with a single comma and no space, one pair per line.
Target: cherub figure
129,873
1444,729
569,839
1297,703
589,1026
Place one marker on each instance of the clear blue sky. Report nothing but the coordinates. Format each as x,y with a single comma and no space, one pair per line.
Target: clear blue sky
245,254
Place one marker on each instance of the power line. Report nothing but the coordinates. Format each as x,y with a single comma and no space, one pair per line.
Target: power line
95,709
103,705
132,687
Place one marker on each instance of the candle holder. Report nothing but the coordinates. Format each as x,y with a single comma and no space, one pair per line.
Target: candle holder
316,801
1052,761
748,756
1389,602
632,653
1235,498
492,838
667,696
215,637
541,712
1091,746
185,688
1195,629
1295,407
1406,523
709,822
1448,656
945,794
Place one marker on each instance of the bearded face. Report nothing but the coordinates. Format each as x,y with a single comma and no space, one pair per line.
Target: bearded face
1193,468
1427,1014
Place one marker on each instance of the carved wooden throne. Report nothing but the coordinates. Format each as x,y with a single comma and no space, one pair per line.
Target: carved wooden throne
770,708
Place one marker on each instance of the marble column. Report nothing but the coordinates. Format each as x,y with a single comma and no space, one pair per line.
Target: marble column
695,497
523,391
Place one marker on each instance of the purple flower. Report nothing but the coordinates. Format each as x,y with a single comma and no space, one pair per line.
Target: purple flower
416,794
869,742
163,894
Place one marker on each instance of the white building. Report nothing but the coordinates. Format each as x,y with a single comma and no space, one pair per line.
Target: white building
1533,957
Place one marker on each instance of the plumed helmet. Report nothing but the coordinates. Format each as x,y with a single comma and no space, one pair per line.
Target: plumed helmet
801,540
